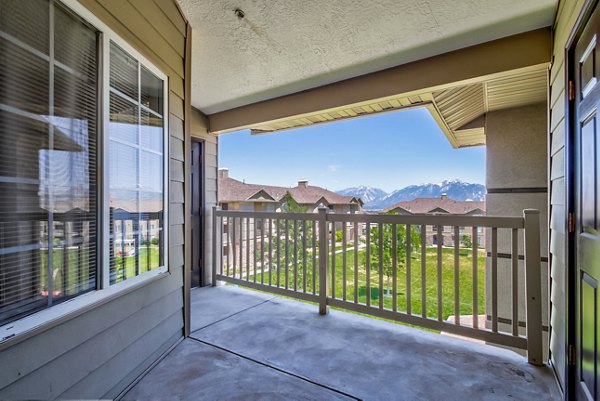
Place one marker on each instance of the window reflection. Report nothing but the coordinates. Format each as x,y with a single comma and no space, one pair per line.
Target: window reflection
136,169
48,114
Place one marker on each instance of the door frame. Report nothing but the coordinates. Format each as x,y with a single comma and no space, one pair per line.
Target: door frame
202,142
571,199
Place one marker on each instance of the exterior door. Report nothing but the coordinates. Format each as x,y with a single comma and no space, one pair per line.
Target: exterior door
197,217
587,236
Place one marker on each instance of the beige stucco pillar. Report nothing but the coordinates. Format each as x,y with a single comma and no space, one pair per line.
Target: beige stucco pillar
516,179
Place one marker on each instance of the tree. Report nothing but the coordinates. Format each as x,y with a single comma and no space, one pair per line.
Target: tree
294,236
466,240
386,240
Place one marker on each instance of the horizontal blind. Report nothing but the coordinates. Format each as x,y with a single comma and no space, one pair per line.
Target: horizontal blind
136,170
48,156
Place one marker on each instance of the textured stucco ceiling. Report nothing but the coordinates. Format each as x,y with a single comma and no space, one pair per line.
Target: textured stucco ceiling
285,46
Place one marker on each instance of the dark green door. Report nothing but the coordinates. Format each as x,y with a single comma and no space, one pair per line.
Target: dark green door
587,166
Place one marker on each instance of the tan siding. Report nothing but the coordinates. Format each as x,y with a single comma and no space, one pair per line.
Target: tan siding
52,381
558,139
98,353
136,22
176,256
176,170
558,113
176,214
564,25
35,366
176,86
172,12
176,149
558,82
558,166
138,33
176,127
157,18
199,128
176,192
557,196
176,235
134,354
557,220
565,21
176,105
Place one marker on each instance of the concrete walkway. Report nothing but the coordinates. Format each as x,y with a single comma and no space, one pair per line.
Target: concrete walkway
251,346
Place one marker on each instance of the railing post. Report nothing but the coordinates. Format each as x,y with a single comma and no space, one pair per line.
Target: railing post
323,259
533,287
215,246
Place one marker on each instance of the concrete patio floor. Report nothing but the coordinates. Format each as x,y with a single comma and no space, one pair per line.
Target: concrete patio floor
247,345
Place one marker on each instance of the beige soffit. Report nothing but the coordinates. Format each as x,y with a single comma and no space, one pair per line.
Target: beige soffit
458,110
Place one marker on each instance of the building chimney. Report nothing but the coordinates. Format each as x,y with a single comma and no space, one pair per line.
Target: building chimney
444,196
303,183
223,173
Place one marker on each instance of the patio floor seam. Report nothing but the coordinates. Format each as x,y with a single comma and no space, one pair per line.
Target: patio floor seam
232,315
280,370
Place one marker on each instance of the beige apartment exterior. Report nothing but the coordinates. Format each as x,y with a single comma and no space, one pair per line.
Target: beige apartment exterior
238,195
511,85
445,206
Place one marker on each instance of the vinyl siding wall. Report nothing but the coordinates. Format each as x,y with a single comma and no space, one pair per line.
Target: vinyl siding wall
199,130
567,14
100,352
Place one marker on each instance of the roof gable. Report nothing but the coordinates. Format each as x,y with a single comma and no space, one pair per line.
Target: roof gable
261,194
231,190
438,210
440,205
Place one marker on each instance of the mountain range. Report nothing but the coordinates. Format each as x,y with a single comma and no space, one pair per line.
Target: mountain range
377,199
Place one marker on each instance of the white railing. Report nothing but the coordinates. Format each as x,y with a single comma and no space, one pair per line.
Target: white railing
382,265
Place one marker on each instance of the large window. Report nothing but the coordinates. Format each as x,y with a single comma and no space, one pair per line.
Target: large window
62,232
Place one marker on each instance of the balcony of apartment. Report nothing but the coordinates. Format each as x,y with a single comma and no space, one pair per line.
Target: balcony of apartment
483,338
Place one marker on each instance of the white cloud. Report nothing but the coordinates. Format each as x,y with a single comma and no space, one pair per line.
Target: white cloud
334,168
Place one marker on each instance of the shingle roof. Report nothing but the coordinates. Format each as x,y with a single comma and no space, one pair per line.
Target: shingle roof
429,205
232,190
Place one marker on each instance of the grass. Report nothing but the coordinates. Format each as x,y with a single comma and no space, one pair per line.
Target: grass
146,262
76,276
465,281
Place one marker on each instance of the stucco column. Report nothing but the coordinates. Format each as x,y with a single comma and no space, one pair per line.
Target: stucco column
516,179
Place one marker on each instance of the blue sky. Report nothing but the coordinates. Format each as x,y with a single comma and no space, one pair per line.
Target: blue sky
388,151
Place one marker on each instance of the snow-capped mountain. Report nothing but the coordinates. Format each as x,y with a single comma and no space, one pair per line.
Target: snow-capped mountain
367,194
454,189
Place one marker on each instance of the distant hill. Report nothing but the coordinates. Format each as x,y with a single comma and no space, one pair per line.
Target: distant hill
376,199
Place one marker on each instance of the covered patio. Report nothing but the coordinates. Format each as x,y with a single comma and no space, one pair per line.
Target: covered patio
249,345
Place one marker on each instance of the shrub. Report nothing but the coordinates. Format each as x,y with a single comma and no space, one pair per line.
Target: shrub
466,240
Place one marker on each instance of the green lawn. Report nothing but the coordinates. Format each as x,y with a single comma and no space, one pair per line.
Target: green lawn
77,268
147,262
465,281
65,280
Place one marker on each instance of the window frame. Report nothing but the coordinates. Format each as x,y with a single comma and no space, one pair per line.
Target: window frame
106,37
26,326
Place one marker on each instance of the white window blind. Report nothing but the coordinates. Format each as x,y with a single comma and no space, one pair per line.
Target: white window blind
48,156
136,167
